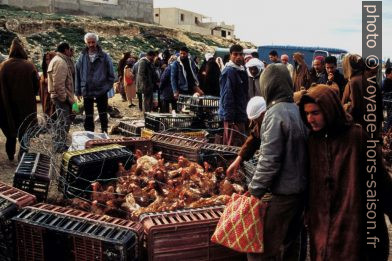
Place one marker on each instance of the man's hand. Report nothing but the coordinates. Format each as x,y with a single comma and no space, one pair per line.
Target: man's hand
176,94
233,168
330,77
198,90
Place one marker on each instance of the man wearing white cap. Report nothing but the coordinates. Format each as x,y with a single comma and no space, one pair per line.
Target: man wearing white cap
254,68
255,110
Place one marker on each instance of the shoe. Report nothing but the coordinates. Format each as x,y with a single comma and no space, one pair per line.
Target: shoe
131,105
11,157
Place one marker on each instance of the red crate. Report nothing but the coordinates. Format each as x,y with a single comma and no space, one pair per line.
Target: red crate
185,235
16,196
143,144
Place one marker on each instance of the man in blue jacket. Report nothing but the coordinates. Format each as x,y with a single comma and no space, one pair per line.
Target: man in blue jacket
233,98
94,78
184,75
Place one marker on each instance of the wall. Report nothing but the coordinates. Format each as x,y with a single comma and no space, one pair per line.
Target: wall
138,10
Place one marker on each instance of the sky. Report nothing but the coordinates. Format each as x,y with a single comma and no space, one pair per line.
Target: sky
324,23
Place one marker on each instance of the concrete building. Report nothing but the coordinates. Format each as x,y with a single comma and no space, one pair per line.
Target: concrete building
192,22
137,10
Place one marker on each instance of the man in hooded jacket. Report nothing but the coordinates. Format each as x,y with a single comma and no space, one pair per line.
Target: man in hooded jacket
339,183
18,110
281,169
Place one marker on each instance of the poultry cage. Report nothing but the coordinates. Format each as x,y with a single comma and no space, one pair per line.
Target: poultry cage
131,143
164,121
173,145
11,200
131,128
185,235
32,175
80,168
47,232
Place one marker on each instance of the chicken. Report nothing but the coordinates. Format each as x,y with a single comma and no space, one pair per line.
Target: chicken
226,188
80,204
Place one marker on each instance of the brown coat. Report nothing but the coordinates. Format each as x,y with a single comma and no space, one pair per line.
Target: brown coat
18,84
336,208
301,76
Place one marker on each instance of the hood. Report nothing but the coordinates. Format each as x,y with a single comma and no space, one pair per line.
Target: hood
299,57
335,117
252,63
276,84
235,66
17,50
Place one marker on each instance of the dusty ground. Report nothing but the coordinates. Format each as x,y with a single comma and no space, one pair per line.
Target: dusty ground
7,168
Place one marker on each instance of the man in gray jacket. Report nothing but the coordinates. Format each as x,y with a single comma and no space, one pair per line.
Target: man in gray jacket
281,169
94,78
146,79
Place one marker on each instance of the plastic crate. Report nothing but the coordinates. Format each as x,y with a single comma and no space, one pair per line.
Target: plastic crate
32,175
174,145
185,235
131,128
198,104
11,199
104,219
218,155
133,144
165,121
47,235
80,168
213,121
249,168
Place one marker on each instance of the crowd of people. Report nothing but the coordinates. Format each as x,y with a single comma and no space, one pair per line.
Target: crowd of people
308,125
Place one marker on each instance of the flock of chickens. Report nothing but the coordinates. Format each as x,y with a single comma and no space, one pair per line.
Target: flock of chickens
153,185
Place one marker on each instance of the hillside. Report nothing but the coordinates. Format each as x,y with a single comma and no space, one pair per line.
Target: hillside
41,32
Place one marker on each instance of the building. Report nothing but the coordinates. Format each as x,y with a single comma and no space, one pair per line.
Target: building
137,10
192,22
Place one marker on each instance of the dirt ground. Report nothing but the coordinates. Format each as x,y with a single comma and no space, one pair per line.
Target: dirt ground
7,168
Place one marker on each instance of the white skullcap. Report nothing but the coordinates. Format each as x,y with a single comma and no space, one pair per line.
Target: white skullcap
256,106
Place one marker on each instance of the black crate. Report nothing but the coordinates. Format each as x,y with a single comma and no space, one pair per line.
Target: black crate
81,168
218,155
198,104
165,121
212,121
32,175
42,235
7,211
132,128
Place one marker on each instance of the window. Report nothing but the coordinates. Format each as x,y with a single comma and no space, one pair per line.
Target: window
223,33
196,20
228,33
156,15
182,18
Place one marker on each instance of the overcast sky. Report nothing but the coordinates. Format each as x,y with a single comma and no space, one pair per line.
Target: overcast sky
325,23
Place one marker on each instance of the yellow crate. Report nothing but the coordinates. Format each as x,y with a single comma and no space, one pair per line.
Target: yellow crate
146,133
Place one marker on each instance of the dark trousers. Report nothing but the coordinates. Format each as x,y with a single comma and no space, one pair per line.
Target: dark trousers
165,105
282,224
102,105
140,99
148,101
63,115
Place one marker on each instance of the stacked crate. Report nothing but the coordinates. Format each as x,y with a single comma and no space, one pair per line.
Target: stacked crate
131,128
11,200
204,108
185,235
80,168
166,121
46,232
32,175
